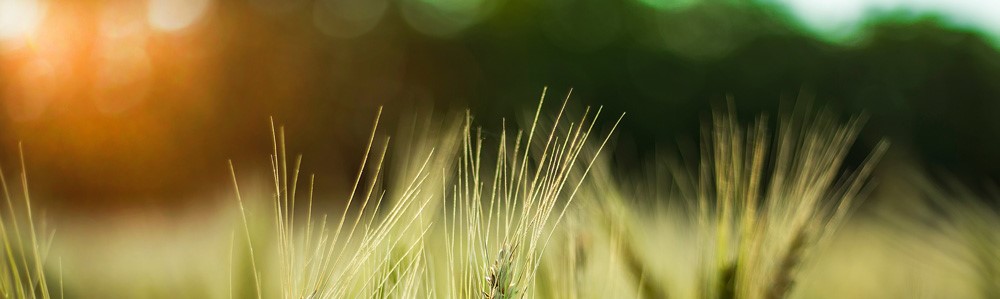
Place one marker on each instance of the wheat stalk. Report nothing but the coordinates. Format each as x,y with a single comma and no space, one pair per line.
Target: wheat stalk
23,268
765,232
500,276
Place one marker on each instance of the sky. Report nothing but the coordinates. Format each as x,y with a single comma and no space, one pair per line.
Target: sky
844,18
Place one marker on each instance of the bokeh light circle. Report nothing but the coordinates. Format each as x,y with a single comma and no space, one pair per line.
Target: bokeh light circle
19,18
444,18
170,15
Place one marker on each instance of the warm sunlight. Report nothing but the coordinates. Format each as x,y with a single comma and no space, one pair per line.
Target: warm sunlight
499,149
19,18
175,14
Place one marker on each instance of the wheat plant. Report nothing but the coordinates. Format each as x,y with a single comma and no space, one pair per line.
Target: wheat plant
25,250
453,210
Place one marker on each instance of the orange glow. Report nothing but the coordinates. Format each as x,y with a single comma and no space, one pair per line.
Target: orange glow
122,79
173,15
122,19
122,65
19,18
61,38
30,91
41,74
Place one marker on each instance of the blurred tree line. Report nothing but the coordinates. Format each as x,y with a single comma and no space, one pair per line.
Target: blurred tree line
933,91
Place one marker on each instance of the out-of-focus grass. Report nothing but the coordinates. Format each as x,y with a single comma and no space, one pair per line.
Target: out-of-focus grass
25,244
464,212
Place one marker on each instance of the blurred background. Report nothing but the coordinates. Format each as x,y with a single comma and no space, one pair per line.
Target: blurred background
125,105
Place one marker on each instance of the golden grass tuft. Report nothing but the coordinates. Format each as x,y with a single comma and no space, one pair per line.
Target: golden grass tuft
23,266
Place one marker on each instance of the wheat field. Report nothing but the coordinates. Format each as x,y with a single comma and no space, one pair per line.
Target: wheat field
770,208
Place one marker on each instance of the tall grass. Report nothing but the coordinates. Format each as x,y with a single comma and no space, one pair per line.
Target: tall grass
453,210
763,205
495,222
349,255
25,252
501,224
767,218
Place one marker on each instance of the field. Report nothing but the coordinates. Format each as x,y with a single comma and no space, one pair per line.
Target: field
769,208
